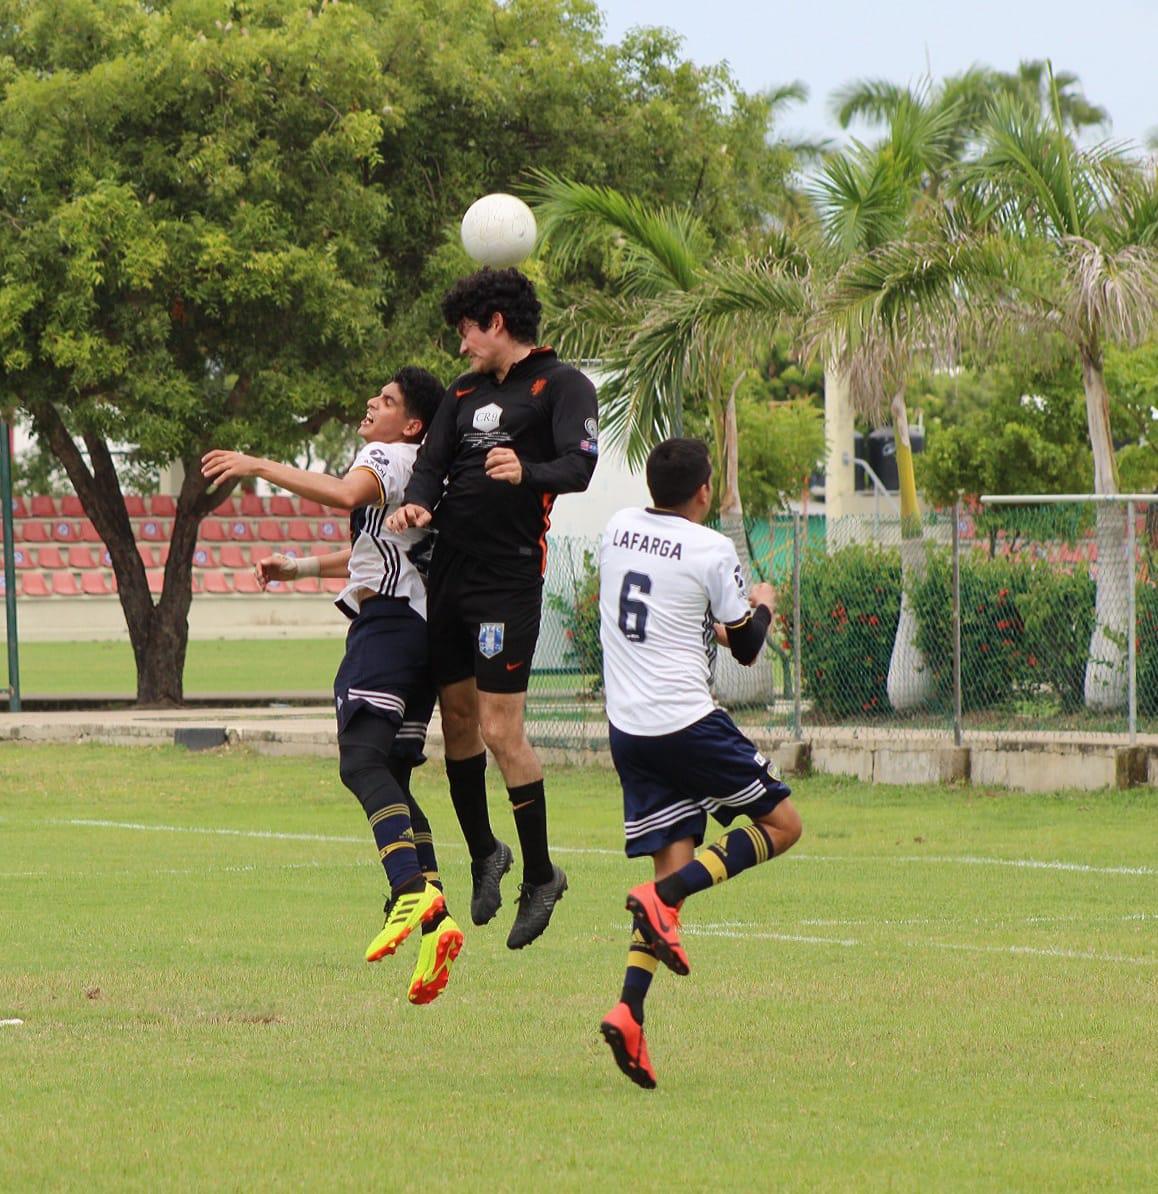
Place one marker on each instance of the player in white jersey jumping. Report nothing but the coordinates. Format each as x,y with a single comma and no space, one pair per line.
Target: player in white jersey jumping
383,690
670,589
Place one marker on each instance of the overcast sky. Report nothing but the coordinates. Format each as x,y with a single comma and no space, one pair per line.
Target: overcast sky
1112,45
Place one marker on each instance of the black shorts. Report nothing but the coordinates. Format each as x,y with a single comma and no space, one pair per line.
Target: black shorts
386,672
672,782
483,620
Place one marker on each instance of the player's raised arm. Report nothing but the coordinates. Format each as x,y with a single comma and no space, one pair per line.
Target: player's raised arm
285,568
358,488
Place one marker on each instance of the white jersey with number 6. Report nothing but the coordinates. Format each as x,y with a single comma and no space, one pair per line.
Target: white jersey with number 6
663,581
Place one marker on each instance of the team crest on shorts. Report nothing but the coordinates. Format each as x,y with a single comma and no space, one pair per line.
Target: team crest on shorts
490,639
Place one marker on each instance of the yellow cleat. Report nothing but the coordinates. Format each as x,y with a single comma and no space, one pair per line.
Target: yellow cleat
439,949
404,913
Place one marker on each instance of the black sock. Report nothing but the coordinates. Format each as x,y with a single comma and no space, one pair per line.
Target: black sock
468,794
529,806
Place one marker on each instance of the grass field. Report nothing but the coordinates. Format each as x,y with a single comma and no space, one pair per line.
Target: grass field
937,990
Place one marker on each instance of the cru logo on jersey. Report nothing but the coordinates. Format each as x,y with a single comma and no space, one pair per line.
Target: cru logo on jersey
490,639
488,417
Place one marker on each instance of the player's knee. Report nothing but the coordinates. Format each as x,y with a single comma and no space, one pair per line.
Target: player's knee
502,734
360,768
784,826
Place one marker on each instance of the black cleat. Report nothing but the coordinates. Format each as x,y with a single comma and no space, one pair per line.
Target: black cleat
485,875
536,903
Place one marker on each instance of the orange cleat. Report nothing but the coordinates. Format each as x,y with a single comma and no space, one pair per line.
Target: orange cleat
628,1047
660,925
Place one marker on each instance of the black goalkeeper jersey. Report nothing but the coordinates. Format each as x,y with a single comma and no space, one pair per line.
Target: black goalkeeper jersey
543,409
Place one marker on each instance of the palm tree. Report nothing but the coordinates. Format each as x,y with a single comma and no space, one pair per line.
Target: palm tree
1043,239
1087,221
656,329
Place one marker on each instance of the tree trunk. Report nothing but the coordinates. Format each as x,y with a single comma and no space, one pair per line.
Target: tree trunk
158,633
910,682
1106,669
735,684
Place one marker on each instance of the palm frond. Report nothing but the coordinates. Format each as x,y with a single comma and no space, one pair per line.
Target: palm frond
572,215
873,100
1112,295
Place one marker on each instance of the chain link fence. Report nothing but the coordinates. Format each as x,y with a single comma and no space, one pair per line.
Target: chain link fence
989,618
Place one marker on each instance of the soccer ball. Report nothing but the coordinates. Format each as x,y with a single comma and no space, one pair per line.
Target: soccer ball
498,230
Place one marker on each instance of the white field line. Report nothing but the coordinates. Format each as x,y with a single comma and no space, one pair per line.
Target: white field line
966,860
735,932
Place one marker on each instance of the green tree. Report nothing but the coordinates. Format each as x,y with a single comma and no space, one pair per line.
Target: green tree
188,250
220,217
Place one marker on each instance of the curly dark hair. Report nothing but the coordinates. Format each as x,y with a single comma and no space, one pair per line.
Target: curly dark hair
421,393
480,295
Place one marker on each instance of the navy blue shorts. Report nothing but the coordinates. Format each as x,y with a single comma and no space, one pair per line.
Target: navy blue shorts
672,782
386,672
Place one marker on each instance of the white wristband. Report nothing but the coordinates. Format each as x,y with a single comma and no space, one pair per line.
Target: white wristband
308,566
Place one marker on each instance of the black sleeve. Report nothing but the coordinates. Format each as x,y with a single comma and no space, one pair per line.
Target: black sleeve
434,456
746,638
574,423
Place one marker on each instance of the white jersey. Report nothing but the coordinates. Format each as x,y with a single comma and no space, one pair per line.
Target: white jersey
663,583
381,560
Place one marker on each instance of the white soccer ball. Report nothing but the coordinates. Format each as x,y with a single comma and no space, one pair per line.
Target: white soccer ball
498,230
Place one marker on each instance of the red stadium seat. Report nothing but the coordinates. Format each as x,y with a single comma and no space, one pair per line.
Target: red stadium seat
333,584
239,530
227,509
205,557
83,557
89,533
332,531
96,584
281,506
4,584
213,531
106,559
309,584
216,582
270,530
65,532
21,557
42,507
246,582
19,508
35,584
50,558
156,578
162,554
71,507
153,531
299,531
252,506
64,584
134,505
31,531
162,505
309,508
148,555
233,555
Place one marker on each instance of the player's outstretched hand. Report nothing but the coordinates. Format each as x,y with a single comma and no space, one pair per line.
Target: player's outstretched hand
275,567
220,465
763,594
503,465
408,516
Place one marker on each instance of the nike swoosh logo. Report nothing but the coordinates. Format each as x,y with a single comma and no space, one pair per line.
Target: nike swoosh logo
463,393
511,667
